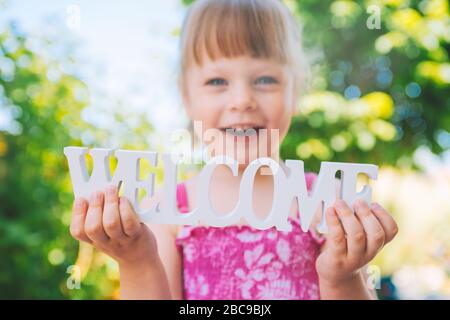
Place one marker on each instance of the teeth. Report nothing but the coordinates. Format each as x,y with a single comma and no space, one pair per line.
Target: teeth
242,131
239,132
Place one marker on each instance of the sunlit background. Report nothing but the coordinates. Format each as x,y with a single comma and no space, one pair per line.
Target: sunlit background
102,74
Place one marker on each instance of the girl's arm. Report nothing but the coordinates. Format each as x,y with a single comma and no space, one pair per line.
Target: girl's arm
158,280
170,257
354,285
144,281
354,288
169,267
109,223
353,240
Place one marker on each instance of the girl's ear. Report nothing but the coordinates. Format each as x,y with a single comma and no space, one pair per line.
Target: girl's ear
294,110
184,99
186,102
295,98
294,104
184,95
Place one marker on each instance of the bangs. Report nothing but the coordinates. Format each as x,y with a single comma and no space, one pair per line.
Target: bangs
231,28
262,29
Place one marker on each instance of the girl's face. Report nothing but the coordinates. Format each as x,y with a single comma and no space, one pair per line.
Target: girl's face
240,93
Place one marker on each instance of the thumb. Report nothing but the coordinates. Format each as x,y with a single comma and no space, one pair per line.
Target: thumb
130,221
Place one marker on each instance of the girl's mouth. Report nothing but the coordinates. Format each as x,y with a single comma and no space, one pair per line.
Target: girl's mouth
242,130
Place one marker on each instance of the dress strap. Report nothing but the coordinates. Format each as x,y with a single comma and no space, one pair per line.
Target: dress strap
182,199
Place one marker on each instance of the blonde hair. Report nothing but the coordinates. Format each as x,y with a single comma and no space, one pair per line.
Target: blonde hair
230,28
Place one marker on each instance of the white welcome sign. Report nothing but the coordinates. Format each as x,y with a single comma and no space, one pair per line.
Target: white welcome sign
287,186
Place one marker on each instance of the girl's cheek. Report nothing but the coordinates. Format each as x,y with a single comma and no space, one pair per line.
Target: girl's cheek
275,105
279,116
207,111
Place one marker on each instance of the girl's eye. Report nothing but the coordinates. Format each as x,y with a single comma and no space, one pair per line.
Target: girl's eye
266,80
216,82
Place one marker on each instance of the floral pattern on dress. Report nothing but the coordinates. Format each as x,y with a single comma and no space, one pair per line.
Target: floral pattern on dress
241,262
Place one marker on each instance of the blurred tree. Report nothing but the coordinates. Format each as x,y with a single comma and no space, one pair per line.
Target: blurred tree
40,104
378,94
41,109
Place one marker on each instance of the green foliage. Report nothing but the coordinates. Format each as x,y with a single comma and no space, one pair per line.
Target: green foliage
35,193
401,70
43,106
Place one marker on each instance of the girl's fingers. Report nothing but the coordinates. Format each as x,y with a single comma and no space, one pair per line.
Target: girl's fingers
130,222
79,211
375,234
111,216
356,237
94,222
387,222
336,236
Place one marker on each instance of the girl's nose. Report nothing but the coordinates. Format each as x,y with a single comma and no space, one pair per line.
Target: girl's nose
242,98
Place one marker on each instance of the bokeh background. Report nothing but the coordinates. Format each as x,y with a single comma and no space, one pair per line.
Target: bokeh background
102,74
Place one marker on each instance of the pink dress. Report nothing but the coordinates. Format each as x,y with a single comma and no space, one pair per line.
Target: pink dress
240,262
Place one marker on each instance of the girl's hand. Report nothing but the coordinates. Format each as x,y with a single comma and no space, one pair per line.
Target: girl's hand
110,224
353,240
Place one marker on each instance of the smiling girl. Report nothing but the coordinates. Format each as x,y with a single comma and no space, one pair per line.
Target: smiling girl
241,68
